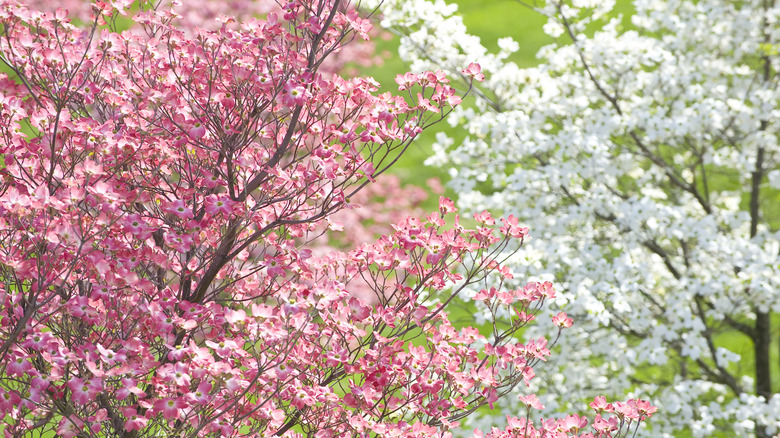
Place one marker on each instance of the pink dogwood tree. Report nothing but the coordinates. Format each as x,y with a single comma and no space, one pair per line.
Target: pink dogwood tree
161,189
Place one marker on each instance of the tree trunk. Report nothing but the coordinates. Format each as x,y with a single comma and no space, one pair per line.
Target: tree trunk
761,345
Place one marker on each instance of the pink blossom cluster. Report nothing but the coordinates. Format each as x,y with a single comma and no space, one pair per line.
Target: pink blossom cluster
160,193
213,14
376,207
372,212
572,426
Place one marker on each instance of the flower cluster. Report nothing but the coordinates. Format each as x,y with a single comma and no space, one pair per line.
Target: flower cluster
622,416
648,161
214,14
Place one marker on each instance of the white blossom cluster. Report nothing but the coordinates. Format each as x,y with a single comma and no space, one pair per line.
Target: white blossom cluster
645,162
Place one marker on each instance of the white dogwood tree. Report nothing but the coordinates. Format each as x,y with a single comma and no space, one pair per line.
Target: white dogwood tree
646,157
